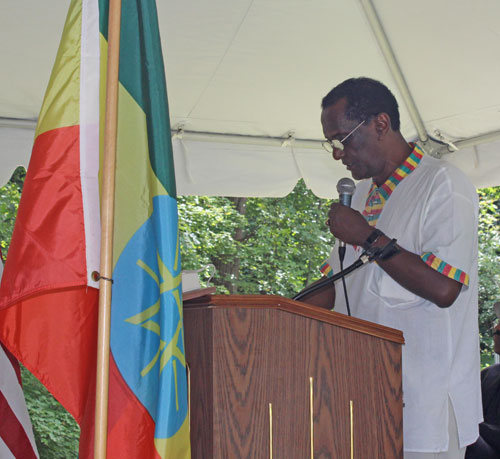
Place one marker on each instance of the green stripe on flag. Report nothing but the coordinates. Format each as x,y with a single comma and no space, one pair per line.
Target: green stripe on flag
141,48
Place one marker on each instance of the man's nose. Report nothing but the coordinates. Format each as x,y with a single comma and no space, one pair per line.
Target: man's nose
337,154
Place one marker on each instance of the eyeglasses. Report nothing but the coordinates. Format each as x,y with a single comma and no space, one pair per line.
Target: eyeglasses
334,144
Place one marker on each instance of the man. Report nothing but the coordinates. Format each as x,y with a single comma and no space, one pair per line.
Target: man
425,283
487,445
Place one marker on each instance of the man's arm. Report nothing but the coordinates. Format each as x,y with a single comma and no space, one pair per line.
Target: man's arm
406,268
410,271
323,297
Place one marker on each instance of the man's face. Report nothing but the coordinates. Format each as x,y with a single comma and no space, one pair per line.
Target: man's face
496,338
357,155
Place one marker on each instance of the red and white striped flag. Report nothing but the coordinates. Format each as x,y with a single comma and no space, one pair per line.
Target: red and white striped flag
16,432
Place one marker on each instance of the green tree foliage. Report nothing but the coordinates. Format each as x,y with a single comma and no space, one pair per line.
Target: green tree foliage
270,245
207,228
56,432
489,267
9,202
286,240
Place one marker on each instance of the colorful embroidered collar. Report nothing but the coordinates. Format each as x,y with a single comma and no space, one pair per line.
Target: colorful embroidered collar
378,196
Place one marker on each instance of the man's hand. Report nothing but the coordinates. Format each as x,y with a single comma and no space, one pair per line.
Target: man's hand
323,297
348,225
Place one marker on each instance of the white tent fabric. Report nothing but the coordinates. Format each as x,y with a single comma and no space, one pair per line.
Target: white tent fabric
245,79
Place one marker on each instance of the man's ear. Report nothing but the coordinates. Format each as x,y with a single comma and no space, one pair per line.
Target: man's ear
382,124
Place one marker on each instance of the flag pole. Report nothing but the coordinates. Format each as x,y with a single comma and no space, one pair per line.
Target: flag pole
107,223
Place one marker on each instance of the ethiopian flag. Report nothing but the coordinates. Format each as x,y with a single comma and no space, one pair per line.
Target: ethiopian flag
48,301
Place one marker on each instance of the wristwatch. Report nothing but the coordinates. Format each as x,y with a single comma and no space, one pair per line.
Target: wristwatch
380,253
372,238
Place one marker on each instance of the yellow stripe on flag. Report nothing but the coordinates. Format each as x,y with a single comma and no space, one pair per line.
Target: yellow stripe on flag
60,107
174,446
135,175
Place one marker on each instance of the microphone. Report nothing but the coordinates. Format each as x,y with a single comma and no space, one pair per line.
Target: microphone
345,188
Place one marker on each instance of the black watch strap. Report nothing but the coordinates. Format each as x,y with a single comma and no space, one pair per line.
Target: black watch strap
372,238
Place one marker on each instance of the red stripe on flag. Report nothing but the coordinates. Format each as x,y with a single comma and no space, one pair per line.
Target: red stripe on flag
54,335
123,407
48,243
12,432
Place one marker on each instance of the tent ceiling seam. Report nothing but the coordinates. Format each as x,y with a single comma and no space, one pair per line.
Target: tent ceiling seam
228,47
18,123
272,141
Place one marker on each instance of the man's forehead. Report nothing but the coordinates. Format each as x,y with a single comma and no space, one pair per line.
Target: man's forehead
333,117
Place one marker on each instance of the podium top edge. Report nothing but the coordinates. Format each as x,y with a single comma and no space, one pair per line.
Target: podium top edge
295,307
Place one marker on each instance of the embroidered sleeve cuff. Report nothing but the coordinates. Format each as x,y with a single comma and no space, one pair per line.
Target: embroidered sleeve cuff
444,268
326,270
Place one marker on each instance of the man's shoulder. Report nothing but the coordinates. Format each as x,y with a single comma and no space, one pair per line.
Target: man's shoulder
439,173
490,379
439,167
492,370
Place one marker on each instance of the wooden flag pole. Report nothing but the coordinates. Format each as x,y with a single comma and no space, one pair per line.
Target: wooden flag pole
107,223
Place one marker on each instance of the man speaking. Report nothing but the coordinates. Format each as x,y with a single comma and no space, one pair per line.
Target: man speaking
417,216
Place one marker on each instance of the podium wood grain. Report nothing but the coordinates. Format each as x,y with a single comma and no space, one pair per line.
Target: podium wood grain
245,352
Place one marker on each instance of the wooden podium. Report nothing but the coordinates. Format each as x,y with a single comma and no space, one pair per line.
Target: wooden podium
275,378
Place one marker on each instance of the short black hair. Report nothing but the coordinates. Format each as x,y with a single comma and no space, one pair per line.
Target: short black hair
365,98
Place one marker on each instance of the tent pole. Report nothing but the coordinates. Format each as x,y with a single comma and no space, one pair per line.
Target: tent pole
395,69
107,223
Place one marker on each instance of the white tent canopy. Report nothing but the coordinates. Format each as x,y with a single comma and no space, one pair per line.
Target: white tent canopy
245,79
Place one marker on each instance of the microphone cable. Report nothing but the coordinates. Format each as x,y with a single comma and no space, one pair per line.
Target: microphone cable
341,258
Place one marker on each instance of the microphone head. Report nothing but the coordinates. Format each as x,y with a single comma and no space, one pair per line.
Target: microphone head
346,186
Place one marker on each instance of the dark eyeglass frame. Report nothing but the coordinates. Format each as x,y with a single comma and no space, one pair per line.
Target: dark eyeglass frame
331,145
